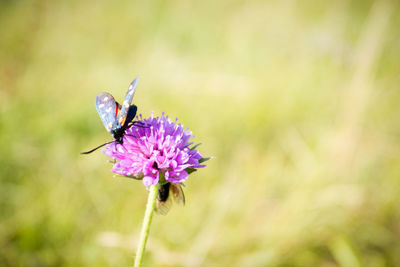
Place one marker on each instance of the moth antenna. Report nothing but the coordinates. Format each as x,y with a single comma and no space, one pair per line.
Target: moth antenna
94,149
140,124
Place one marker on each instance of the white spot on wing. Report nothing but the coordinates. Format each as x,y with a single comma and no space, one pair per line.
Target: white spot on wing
105,99
108,110
126,105
101,105
103,115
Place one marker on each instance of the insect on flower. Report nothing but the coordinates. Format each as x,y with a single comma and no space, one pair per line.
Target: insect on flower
115,117
164,200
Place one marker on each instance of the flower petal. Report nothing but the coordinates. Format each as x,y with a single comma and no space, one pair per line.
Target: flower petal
161,146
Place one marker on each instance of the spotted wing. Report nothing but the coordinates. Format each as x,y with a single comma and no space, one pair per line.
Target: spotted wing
107,109
127,102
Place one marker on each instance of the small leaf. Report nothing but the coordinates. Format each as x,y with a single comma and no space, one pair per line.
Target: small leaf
204,159
190,170
195,146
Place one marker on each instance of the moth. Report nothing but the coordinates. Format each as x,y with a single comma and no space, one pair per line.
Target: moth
115,117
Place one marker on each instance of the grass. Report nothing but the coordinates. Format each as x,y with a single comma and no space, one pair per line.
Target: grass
296,100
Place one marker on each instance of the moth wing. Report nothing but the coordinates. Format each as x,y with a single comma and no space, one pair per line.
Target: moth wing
177,193
127,102
162,207
107,109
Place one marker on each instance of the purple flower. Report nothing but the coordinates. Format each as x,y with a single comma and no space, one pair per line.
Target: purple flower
155,149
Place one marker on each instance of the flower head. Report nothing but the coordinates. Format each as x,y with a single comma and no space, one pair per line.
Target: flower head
155,148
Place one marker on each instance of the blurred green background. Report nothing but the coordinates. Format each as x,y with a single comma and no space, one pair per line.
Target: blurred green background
297,101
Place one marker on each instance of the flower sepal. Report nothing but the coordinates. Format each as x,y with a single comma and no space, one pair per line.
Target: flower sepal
204,159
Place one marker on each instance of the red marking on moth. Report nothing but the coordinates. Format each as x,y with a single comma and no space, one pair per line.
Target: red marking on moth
122,120
116,111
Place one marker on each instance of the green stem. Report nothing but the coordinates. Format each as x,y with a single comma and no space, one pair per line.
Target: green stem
144,234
